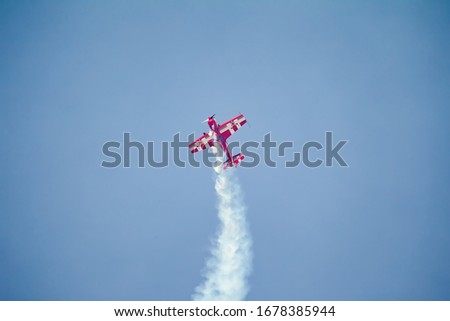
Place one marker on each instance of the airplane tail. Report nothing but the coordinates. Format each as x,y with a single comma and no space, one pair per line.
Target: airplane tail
234,162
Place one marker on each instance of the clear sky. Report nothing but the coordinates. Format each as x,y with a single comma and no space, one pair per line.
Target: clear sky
76,74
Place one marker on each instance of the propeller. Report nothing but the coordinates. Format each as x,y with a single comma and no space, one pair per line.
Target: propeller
210,117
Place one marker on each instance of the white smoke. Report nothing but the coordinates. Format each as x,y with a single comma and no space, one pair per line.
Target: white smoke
229,266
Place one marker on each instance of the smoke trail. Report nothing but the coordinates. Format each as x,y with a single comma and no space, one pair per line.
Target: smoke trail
230,264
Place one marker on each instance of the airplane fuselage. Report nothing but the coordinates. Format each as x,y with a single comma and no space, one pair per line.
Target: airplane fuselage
219,138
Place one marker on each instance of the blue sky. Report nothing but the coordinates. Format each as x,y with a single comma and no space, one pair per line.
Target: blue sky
77,74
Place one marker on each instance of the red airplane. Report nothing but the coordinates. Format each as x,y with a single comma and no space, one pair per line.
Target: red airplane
219,135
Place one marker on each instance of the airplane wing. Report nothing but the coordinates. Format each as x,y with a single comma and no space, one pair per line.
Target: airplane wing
230,127
201,143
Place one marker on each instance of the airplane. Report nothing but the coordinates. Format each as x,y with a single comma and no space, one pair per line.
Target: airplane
219,135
